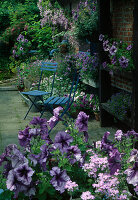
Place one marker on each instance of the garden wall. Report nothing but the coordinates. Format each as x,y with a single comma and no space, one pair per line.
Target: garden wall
122,19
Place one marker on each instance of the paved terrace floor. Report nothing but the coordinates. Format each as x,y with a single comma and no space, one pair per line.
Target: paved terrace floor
13,109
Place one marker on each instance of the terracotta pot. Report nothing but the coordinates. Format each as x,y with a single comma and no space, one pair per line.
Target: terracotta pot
97,116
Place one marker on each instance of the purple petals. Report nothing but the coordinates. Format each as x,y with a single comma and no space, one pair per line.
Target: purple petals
24,174
24,137
129,47
104,64
118,135
106,46
56,111
114,161
72,153
62,140
52,121
82,121
132,175
123,62
113,50
101,37
59,179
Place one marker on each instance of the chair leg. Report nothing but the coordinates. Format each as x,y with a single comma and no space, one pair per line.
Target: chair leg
28,111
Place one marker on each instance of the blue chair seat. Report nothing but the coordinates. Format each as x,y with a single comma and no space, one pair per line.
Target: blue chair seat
36,93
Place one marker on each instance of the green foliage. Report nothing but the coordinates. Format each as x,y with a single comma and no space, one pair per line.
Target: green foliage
41,37
86,20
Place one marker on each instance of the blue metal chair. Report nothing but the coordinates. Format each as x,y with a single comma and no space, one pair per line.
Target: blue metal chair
37,94
53,101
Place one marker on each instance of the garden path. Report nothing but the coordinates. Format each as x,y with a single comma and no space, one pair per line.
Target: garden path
13,109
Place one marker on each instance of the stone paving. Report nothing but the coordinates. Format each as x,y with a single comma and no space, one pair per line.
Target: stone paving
13,109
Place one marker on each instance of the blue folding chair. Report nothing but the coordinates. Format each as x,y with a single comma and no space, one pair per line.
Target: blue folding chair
53,101
37,94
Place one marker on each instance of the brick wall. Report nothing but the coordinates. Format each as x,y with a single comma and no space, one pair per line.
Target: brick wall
122,19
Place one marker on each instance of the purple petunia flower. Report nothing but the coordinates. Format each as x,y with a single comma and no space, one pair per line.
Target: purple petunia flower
56,111
24,137
13,184
62,140
52,121
21,48
72,153
101,37
106,144
26,40
59,179
106,46
18,158
133,155
113,50
132,174
129,47
114,161
82,121
43,156
123,62
24,174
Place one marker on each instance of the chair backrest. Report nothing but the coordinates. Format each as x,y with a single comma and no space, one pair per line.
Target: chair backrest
48,66
74,85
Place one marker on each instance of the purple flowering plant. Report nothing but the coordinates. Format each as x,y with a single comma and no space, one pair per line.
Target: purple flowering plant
120,105
88,103
67,166
119,53
85,17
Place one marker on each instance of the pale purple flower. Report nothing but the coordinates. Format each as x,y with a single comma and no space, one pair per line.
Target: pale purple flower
18,158
52,121
62,140
59,179
118,135
129,47
113,50
24,174
133,155
106,46
123,62
87,195
21,48
26,40
132,175
82,121
56,111
71,186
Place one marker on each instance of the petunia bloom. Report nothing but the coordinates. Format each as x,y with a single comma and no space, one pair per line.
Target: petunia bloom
114,161
59,179
82,121
132,174
62,140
